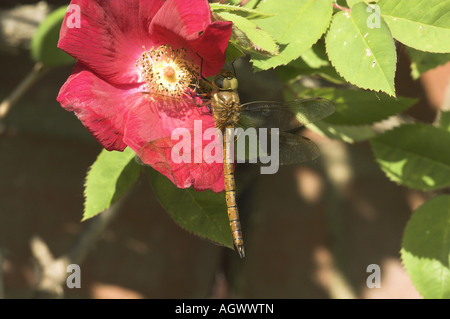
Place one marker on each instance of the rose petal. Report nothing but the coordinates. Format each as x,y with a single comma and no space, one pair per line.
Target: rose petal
211,46
185,18
201,176
187,23
98,104
110,37
149,131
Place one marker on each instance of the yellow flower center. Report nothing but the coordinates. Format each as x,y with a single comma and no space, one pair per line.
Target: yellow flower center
167,71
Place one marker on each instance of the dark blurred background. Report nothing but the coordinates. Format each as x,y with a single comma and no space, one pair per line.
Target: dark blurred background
310,230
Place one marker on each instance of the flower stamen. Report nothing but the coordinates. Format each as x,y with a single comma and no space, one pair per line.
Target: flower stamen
167,70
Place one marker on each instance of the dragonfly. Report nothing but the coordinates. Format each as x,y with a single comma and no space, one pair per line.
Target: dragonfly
280,119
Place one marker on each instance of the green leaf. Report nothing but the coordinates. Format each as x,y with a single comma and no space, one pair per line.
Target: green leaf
421,24
424,61
297,25
357,107
111,175
299,68
233,52
426,248
247,13
347,134
316,57
327,73
363,56
415,155
313,62
444,120
45,40
248,3
202,213
351,3
248,36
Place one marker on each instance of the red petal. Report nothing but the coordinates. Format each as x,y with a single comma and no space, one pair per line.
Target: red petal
185,18
212,46
148,132
98,104
110,37
179,23
201,176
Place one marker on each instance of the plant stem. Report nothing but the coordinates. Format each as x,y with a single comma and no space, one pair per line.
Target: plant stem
54,270
37,71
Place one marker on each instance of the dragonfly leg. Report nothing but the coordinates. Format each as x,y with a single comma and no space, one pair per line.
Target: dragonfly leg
234,70
206,103
201,69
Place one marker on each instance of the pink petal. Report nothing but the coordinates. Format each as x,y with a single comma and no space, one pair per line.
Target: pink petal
110,37
185,18
187,23
212,46
98,104
200,176
148,132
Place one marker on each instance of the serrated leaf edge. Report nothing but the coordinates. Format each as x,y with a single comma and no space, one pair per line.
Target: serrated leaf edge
344,77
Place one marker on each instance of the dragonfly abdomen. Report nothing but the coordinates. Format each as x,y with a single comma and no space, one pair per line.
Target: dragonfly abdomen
230,193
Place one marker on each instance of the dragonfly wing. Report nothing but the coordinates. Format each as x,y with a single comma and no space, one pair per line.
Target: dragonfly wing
296,149
285,115
260,147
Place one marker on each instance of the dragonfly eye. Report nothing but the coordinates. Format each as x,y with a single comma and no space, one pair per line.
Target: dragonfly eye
226,82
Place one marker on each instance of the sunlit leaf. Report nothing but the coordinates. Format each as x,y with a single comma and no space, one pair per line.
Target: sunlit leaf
426,248
248,36
296,26
244,12
422,25
245,3
415,155
351,3
362,55
111,175
345,133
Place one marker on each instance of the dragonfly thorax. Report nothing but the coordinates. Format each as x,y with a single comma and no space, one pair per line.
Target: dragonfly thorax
226,108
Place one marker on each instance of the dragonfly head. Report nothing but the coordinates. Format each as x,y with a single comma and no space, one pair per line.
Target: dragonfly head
226,81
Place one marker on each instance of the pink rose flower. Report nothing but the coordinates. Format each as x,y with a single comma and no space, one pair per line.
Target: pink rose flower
125,48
